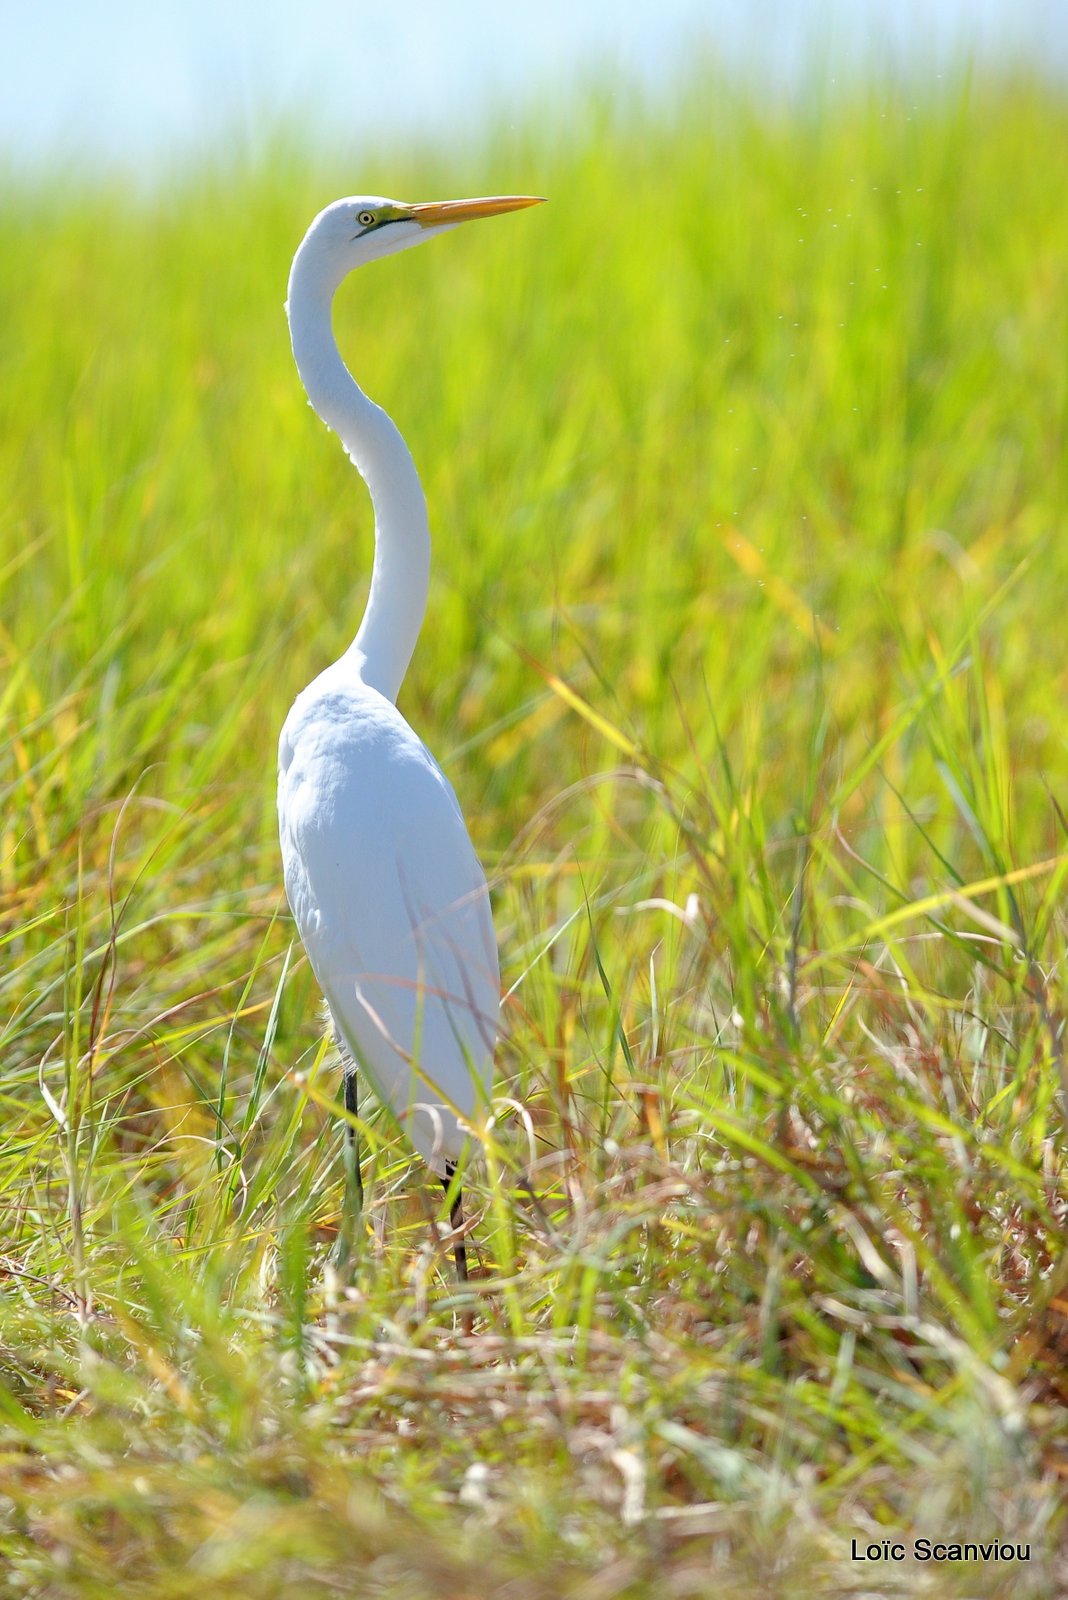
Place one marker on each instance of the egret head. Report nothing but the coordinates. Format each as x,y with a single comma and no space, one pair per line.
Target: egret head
365,227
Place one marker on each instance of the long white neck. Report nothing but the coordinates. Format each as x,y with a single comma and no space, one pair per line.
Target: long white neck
387,636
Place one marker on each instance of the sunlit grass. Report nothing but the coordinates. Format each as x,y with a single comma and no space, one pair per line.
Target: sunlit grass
747,473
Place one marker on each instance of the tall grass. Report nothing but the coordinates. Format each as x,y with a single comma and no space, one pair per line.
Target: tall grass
745,652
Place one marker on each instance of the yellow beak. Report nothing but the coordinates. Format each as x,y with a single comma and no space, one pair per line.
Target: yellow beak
435,213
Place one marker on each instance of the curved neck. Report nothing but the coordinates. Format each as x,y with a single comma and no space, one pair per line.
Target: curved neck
387,636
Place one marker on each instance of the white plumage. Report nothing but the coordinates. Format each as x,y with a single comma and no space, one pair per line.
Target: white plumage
392,906
382,880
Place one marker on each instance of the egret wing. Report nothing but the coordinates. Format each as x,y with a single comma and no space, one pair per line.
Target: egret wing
393,909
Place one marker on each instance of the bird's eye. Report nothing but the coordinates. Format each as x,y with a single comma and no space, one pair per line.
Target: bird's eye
366,219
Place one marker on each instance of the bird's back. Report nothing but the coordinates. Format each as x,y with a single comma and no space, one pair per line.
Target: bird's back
392,906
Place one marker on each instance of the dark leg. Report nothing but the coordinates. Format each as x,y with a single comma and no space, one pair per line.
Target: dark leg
352,1206
353,1164
456,1219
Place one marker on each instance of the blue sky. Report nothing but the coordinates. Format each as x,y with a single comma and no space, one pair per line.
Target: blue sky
130,82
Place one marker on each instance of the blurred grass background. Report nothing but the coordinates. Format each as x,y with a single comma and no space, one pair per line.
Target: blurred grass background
747,473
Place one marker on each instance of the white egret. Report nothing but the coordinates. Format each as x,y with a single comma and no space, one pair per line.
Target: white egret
382,879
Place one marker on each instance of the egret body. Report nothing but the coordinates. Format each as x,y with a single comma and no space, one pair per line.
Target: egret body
385,887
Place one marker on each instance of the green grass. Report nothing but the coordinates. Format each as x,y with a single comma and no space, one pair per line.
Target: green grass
746,654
